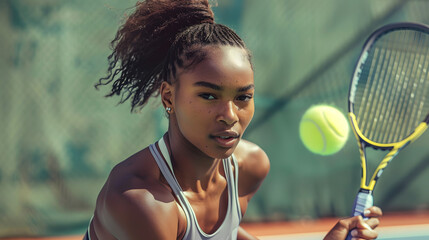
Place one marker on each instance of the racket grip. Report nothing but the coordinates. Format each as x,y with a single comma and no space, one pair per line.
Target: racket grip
363,200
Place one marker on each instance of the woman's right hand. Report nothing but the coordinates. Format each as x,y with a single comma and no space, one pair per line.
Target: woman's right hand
360,228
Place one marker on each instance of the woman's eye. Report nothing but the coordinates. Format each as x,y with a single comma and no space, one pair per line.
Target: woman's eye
244,98
207,96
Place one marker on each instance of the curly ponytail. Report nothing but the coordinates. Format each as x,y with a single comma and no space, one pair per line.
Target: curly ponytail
155,39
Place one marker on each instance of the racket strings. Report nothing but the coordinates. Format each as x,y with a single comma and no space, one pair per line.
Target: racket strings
402,78
366,117
405,93
419,74
382,108
385,114
391,93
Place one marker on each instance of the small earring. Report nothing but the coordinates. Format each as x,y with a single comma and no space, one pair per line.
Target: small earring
168,109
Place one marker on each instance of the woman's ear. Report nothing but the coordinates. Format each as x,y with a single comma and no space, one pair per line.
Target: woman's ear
167,93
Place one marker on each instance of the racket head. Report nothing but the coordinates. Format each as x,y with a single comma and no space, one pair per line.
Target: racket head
388,94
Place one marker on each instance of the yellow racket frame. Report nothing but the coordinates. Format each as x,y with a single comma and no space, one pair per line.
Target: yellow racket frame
393,147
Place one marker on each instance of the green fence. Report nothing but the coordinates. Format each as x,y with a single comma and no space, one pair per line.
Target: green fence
60,137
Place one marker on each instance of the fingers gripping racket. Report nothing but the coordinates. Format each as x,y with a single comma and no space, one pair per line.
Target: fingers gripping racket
388,97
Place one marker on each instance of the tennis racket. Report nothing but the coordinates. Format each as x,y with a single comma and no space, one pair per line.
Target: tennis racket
388,97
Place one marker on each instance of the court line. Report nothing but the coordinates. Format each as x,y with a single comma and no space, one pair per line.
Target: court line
397,232
417,230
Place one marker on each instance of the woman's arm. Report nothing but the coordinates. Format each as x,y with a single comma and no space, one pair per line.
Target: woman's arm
132,207
254,166
139,215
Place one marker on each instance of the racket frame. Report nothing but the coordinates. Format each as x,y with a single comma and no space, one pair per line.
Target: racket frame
364,198
393,149
363,141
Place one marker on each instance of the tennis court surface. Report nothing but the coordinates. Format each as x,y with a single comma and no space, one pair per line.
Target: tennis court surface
392,227
398,226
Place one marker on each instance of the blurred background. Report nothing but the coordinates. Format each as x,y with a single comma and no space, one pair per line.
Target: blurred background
60,137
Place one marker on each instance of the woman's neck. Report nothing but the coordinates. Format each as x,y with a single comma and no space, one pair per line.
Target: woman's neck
193,169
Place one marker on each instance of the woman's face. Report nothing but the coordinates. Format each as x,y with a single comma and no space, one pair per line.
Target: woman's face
213,101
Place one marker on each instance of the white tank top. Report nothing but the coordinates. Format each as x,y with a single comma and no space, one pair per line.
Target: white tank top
228,229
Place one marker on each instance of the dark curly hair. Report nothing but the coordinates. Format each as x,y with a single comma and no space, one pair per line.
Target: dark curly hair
158,37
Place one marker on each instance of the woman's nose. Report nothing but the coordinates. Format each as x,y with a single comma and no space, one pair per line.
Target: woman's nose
228,113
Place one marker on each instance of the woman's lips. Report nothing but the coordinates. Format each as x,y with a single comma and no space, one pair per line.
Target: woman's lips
226,140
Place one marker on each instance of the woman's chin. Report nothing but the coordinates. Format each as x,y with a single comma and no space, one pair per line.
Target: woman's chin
224,153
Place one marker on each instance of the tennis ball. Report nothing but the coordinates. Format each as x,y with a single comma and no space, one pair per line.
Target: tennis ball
323,129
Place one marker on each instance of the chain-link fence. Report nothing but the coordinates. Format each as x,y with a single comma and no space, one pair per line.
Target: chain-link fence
60,137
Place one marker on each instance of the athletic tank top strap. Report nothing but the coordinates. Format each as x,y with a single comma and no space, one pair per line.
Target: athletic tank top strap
171,179
232,179
229,227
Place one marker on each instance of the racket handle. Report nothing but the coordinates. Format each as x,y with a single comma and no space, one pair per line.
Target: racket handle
363,201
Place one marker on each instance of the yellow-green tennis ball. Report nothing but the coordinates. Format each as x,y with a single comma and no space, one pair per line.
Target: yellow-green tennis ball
323,129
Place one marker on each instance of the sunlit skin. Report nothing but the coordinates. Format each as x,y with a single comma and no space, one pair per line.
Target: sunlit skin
212,100
212,104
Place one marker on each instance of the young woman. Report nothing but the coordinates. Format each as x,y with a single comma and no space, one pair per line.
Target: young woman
197,180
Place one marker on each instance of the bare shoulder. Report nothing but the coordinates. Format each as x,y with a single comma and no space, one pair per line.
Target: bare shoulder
134,203
252,159
254,166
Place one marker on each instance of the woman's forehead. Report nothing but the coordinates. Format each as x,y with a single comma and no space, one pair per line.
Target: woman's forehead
224,52
221,63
